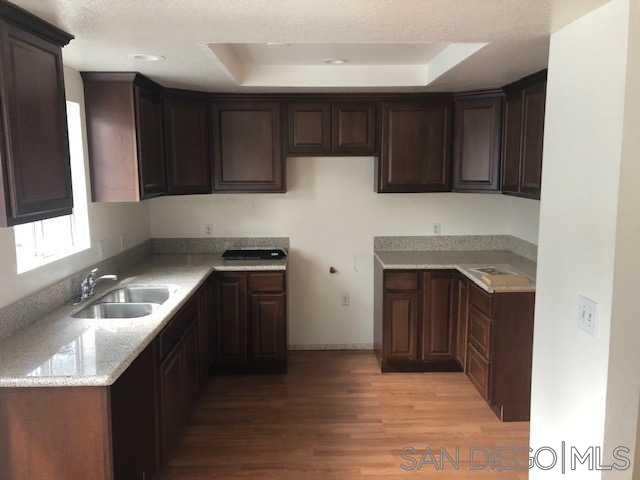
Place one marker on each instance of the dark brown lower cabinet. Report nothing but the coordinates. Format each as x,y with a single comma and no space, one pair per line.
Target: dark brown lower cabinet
418,321
438,320
252,322
500,349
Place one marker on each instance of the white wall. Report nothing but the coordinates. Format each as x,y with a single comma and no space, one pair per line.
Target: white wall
331,214
108,222
583,145
623,386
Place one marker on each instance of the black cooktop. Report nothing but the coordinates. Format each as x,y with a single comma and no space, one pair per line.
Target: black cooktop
254,254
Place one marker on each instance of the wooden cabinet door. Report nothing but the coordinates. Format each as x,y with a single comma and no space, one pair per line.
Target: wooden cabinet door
309,128
133,419
533,98
462,313
191,365
34,148
268,327
512,143
187,142
477,143
232,320
207,327
354,128
151,159
400,325
172,399
415,154
247,150
438,324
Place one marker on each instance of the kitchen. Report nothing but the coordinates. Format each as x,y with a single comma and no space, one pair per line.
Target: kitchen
390,203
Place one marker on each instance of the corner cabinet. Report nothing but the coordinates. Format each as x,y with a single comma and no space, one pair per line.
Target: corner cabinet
523,138
187,131
126,136
477,142
35,175
416,146
247,153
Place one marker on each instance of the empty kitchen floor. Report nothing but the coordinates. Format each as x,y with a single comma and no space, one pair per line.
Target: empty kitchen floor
334,416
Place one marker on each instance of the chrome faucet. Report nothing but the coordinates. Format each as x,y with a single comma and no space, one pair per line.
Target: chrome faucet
89,283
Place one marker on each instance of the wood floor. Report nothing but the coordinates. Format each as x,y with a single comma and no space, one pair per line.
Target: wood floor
334,416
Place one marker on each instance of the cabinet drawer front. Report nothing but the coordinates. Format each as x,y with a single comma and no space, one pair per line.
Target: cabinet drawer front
480,299
177,327
401,281
478,371
480,331
266,282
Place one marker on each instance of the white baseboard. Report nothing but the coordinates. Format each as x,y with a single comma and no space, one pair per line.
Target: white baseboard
341,346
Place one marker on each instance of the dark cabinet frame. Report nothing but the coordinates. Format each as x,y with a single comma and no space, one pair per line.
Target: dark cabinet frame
523,136
193,153
273,154
487,139
437,138
25,197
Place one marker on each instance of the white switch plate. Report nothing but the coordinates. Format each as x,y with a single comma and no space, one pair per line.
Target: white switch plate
437,229
208,230
346,300
587,315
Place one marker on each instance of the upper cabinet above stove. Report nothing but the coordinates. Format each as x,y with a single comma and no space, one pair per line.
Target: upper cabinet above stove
35,174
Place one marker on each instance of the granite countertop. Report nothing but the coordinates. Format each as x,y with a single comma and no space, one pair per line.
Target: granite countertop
60,350
465,262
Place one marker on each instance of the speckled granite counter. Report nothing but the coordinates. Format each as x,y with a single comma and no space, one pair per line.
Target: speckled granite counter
465,262
63,351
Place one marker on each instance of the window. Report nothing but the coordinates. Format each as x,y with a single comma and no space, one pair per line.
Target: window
43,242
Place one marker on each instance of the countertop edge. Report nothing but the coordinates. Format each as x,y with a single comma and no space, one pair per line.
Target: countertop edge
459,268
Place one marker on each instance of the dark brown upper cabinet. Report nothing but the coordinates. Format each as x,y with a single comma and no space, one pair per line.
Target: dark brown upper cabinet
354,128
416,146
324,128
309,128
524,136
477,142
126,136
187,131
35,174
247,149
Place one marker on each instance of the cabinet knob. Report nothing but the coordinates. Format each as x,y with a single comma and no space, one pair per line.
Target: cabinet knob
333,270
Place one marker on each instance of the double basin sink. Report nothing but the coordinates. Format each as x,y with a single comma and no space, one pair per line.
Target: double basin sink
132,301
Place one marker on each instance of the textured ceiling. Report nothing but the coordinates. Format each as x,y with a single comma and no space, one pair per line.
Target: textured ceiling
107,31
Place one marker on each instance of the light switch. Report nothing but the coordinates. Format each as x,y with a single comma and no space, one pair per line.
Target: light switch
587,314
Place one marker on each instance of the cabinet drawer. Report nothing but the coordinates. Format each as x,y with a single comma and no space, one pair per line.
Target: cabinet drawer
480,331
401,281
480,299
266,282
478,371
173,332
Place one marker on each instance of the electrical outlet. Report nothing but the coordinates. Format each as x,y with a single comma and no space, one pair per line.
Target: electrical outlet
346,300
208,230
437,229
587,314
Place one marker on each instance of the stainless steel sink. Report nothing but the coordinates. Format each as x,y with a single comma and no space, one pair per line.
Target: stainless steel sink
131,301
115,310
137,294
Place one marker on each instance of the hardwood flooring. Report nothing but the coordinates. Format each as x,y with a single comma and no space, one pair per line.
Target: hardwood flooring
334,416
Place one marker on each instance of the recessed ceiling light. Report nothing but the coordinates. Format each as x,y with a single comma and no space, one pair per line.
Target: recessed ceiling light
335,61
276,44
144,57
